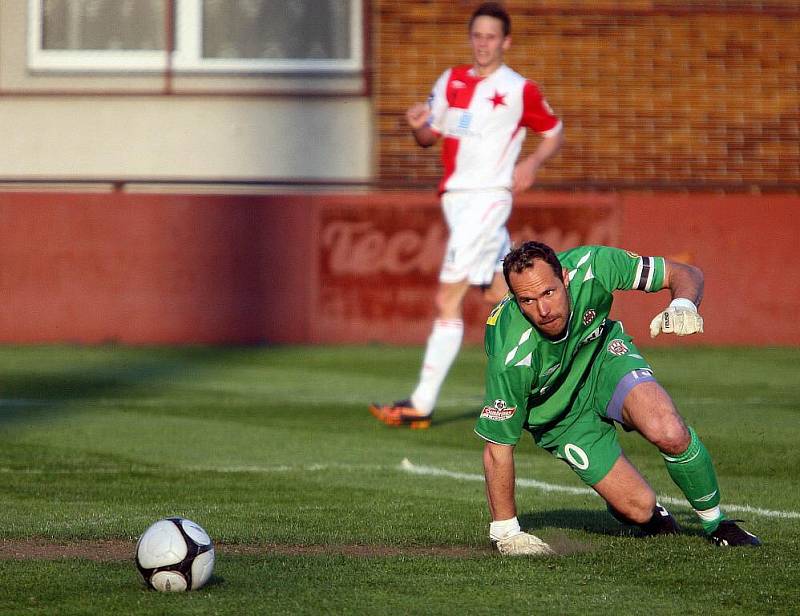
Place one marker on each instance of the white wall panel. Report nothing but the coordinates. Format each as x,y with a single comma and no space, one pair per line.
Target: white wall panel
182,137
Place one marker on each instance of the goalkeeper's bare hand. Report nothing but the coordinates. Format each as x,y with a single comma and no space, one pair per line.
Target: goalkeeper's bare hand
522,544
680,318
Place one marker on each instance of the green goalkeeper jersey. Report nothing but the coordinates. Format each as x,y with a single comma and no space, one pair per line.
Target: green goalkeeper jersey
532,380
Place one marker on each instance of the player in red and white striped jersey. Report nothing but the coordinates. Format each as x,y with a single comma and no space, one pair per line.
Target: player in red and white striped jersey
481,112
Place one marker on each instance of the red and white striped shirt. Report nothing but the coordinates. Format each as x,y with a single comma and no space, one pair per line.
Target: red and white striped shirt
483,121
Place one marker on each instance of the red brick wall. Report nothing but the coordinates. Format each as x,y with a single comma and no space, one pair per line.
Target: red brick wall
652,92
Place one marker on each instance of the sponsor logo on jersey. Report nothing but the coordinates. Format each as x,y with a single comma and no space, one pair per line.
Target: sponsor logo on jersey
459,123
632,255
458,84
589,316
464,121
499,411
617,347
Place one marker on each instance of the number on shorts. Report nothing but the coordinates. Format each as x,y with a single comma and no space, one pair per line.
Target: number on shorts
576,456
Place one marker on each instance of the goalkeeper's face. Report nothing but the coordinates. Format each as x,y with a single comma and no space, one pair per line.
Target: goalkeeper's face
543,297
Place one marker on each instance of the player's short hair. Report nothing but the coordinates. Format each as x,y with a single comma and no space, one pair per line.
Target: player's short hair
493,9
523,256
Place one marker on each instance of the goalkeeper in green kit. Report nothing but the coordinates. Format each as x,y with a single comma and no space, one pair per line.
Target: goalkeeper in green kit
560,369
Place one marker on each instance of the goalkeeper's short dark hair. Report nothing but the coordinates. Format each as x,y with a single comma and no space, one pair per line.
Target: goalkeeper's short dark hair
523,256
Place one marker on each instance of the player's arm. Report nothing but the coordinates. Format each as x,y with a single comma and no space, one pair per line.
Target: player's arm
424,119
624,270
500,425
418,118
525,171
504,531
538,116
498,467
685,283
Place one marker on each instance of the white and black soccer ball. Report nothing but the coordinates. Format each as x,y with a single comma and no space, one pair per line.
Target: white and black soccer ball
175,554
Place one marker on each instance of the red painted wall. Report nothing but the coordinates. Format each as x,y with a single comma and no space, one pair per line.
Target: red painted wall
746,245
380,256
144,268
133,268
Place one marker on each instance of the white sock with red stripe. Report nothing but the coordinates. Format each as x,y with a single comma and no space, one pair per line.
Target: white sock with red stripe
443,345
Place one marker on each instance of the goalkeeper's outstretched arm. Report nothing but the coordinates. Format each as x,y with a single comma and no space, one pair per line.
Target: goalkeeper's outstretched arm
681,318
684,281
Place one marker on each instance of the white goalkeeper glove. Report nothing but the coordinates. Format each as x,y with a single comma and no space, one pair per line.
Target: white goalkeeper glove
509,540
680,318
523,544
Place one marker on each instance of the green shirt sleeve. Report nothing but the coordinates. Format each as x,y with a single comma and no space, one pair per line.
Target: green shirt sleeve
504,411
508,379
624,270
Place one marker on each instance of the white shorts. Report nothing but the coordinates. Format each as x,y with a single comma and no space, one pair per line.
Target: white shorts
478,236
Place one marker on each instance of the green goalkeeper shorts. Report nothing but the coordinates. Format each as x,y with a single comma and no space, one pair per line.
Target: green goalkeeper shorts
586,438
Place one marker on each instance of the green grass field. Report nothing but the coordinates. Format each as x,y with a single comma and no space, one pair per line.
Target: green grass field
273,452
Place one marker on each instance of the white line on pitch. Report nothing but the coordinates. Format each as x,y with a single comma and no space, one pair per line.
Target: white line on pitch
407,466
279,468
70,471
284,468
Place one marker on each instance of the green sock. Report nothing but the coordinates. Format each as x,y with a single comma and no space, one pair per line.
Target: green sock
693,472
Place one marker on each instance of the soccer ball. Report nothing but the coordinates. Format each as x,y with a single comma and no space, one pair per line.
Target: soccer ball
175,554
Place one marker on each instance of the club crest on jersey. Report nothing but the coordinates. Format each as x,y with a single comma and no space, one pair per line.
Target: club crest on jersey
589,316
617,347
500,411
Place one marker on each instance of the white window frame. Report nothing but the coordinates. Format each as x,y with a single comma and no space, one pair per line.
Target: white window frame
187,56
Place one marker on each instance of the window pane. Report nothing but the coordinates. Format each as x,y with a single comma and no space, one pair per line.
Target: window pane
103,24
277,29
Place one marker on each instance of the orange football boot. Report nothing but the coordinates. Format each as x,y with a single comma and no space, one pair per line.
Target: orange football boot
401,414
